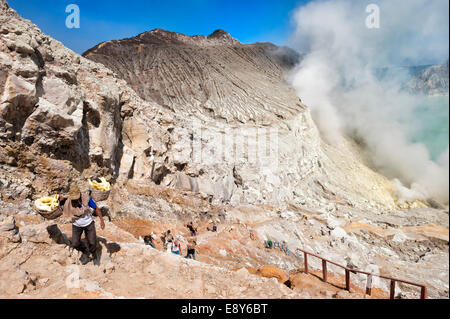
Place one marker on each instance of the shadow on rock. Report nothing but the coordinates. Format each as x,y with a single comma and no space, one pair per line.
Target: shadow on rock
59,237
111,247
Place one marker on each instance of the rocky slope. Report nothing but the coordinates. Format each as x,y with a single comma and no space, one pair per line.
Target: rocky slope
61,116
214,76
81,121
229,93
157,138
431,81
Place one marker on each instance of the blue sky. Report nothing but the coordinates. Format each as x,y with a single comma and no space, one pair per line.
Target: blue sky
247,20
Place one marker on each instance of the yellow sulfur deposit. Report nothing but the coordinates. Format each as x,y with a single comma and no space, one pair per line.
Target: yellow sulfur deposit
407,205
47,204
103,186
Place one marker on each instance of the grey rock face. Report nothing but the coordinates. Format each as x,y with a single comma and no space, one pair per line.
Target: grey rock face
9,230
8,224
55,104
431,81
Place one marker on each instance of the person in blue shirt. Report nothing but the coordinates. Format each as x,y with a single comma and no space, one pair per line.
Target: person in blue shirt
79,207
148,240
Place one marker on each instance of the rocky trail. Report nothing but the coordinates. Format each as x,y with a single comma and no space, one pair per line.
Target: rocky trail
40,268
231,263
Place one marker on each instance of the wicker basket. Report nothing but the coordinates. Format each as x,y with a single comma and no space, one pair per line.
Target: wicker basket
51,215
99,196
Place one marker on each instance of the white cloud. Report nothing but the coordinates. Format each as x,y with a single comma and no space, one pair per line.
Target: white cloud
336,79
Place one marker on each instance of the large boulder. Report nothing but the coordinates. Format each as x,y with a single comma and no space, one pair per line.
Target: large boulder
16,104
9,231
273,272
15,281
52,129
36,233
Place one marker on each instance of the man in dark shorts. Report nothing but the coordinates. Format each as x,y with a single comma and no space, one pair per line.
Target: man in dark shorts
149,239
192,243
192,228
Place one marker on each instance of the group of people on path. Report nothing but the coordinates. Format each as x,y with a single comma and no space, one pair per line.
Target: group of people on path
269,244
172,244
79,206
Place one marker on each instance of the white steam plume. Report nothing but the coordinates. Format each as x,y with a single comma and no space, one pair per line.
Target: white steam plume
336,79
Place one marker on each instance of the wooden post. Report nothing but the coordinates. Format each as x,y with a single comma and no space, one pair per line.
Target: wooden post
324,270
306,262
369,285
423,293
392,289
347,280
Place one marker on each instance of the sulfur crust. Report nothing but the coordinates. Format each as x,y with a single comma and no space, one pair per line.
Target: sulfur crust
103,186
47,203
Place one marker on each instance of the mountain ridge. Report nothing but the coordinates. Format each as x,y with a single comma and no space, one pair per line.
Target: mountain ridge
433,80
210,75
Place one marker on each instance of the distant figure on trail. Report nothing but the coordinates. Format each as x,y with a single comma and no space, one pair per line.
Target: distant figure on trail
176,247
148,239
212,226
192,243
192,228
284,247
269,244
167,239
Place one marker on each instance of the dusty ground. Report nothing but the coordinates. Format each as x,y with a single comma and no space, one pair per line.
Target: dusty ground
405,245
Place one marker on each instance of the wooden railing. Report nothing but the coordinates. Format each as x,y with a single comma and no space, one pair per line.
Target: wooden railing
423,293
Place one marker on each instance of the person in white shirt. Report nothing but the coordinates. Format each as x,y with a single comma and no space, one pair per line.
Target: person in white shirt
176,248
79,207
